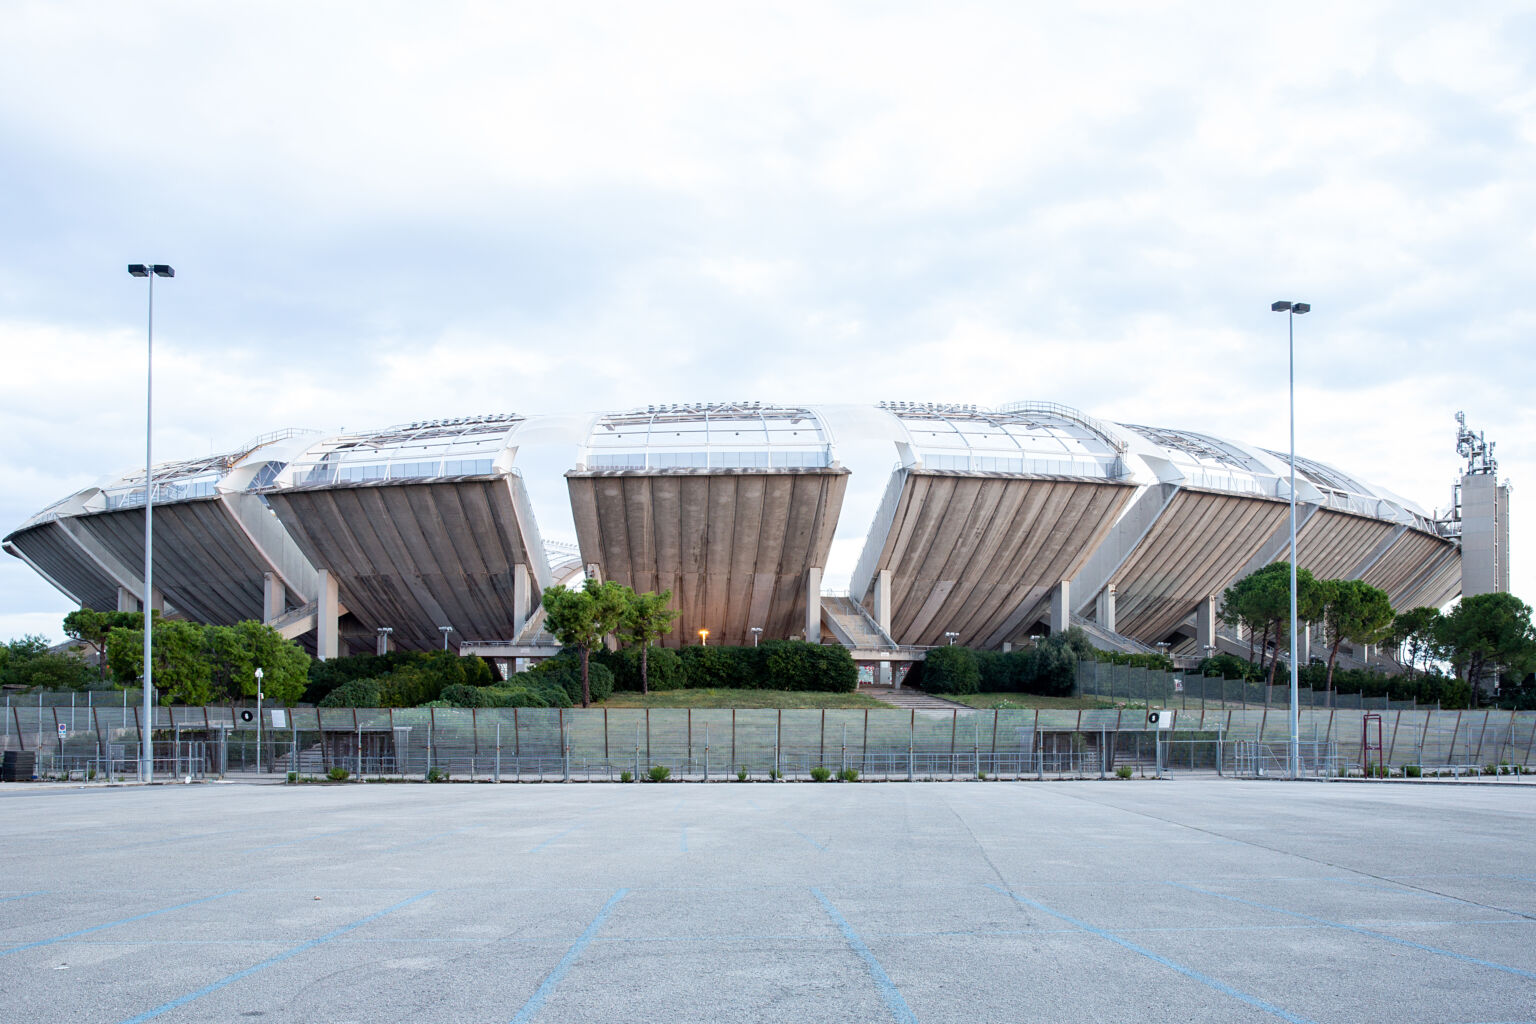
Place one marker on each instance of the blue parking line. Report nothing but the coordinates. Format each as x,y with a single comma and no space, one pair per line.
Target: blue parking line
808,839
1188,972
113,924
536,1001
307,839
1364,931
552,838
430,838
175,839
888,990
279,958
25,895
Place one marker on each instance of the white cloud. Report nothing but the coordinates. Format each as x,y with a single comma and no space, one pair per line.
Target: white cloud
382,212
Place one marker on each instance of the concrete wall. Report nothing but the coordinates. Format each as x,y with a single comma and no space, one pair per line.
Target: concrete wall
734,546
973,553
416,556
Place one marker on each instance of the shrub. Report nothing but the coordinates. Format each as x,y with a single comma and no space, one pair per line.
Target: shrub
354,693
821,774
436,774
338,774
564,671
1123,772
664,668
626,776
951,670
660,772
462,695
1413,771
775,774
998,671
850,775
708,667
794,665
741,774
293,776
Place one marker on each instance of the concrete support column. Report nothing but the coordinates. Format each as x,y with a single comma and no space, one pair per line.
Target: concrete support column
126,602
1061,606
813,605
520,605
883,600
1104,609
157,601
384,644
1205,624
327,616
274,596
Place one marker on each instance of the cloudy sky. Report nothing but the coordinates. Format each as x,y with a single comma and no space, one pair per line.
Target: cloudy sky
381,212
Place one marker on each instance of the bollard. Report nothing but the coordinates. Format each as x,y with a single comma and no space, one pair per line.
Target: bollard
497,775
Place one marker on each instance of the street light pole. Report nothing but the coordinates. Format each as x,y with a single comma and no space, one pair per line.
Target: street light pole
259,695
1291,310
147,731
445,630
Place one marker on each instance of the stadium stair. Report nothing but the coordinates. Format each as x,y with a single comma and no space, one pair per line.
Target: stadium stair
851,625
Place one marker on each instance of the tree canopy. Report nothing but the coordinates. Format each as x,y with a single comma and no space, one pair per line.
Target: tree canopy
583,619
1488,633
646,619
1353,610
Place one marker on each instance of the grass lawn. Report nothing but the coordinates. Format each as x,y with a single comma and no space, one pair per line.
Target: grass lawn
1031,700
726,698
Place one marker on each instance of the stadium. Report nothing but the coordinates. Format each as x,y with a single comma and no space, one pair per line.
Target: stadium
888,529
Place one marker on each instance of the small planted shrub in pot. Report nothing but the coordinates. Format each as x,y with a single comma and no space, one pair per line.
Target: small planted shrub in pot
741,774
821,774
660,772
338,774
1123,772
626,776
850,775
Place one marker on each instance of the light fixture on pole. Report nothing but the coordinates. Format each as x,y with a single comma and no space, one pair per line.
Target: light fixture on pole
704,637
259,695
951,637
445,630
1292,310
147,746
757,631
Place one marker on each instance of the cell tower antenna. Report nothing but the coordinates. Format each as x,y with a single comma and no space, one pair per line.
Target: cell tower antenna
1471,446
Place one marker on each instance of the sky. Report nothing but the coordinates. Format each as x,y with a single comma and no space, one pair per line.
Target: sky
383,212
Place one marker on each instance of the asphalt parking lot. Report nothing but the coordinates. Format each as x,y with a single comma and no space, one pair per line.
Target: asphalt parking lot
1194,900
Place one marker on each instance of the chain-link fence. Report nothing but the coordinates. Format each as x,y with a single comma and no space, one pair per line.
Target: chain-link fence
529,744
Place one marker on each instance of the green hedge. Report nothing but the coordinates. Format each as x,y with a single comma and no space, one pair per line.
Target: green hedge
429,672
1048,667
951,670
664,668
564,671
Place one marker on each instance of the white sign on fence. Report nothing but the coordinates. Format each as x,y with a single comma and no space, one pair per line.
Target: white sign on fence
279,718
